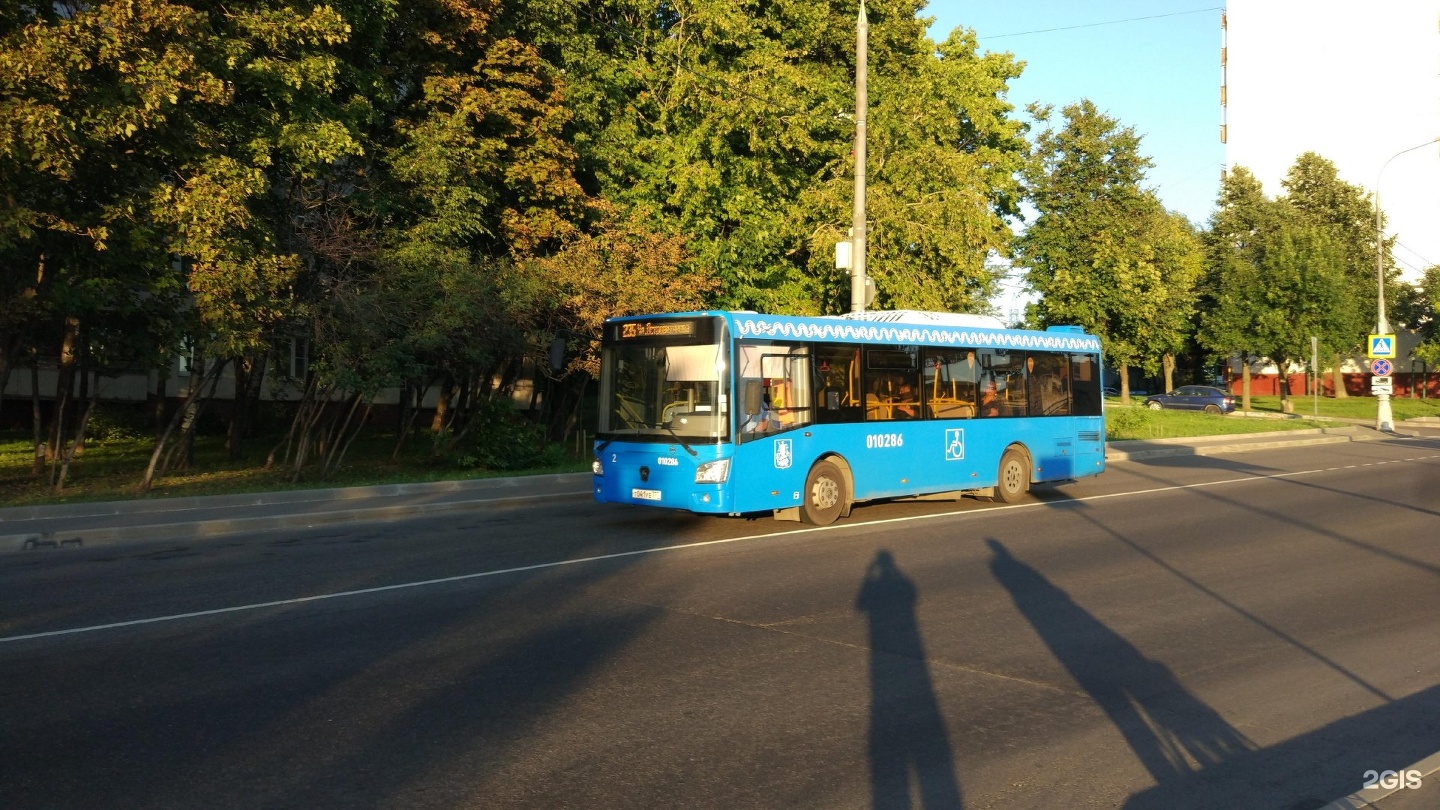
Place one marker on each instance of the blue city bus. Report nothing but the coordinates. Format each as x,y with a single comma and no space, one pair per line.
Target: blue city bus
737,413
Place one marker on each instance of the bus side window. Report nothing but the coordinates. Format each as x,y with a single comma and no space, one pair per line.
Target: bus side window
835,372
949,383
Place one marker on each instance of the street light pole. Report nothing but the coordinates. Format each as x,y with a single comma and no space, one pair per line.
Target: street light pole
1383,418
857,223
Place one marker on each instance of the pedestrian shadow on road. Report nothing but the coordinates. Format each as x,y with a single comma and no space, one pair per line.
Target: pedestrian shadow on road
1172,733
909,746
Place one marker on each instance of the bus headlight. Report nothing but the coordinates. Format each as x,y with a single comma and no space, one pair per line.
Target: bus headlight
596,467
713,472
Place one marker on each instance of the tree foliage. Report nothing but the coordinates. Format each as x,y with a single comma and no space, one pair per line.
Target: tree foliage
426,193
1103,252
1278,274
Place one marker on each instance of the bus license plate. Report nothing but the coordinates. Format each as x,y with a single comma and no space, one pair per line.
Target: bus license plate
645,494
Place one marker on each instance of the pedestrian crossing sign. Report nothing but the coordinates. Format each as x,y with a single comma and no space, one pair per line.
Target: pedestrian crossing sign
1382,346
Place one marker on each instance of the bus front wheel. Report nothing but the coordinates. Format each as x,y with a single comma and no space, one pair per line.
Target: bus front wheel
824,494
1014,479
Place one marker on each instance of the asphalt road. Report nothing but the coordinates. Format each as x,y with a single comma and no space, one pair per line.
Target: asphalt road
1249,631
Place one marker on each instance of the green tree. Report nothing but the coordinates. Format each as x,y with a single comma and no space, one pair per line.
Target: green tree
1103,252
1417,307
731,125
1228,304
89,97
1276,278
1313,187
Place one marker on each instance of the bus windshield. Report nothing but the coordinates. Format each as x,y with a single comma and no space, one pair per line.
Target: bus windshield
664,383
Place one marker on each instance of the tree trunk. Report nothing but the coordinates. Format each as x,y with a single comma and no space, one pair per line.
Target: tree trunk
442,405
1124,383
1168,363
1244,382
343,447
1287,405
307,431
310,383
415,398
64,384
158,413
249,380
79,439
235,430
84,372
186,410
186,444
182,456
37,420
1339,382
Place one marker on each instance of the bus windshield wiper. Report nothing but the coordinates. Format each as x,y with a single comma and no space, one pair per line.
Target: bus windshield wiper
677,436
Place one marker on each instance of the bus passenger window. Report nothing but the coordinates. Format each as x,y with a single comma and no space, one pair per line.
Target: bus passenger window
950,383
836,372
990,401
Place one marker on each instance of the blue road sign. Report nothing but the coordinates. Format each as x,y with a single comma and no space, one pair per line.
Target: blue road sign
1380,367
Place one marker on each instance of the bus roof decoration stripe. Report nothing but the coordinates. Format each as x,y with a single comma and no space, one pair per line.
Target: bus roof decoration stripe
826,328
921,317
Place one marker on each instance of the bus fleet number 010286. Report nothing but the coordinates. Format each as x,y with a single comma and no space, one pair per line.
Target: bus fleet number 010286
874,440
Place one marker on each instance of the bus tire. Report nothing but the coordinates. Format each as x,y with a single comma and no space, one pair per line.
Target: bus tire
1013,480
824,495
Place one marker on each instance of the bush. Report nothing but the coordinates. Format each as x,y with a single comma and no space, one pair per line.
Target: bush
1121,421
117,423
501,439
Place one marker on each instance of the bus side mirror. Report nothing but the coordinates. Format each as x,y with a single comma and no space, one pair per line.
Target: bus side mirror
752,396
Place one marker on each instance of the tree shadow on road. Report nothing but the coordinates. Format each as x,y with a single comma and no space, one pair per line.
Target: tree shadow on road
909,746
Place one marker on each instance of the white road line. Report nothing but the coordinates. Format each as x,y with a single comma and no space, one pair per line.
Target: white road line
658,550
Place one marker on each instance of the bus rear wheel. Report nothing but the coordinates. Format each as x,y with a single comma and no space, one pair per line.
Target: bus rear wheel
824,495
1014,478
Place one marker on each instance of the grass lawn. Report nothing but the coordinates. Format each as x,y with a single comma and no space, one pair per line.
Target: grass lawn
1137,422
111,469
1349,407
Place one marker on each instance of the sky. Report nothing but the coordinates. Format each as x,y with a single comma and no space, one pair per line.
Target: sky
1353,83
1356,85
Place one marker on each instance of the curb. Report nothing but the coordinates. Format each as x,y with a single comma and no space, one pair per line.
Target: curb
574,485
1139,450
192,502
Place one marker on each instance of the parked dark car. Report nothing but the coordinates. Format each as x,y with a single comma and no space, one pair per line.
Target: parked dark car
1193,398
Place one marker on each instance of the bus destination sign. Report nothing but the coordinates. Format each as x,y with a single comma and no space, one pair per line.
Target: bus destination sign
633,330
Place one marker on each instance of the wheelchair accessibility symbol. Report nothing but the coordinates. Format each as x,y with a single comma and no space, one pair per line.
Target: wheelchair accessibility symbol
954,444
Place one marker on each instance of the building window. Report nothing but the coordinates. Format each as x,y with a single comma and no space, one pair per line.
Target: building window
299,357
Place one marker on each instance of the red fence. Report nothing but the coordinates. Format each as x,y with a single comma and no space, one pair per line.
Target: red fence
1356,385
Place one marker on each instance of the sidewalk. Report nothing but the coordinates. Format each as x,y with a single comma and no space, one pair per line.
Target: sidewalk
190,518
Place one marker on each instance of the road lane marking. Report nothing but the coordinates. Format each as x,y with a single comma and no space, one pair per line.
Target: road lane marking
657,550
